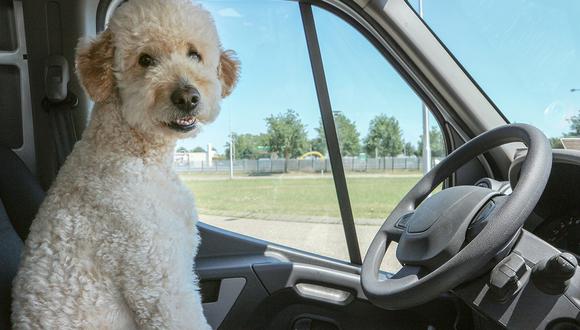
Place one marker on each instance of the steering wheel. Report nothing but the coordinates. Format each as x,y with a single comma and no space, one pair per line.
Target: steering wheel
453,235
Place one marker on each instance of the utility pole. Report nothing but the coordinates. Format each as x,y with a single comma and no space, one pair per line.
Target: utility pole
426,139
231,146
232,156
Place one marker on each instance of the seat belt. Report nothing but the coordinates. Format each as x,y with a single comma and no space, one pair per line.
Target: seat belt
60,103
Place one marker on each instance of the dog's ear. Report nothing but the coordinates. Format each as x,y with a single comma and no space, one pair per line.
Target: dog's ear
94,63
228,71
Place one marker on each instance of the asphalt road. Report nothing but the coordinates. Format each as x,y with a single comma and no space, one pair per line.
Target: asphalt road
326,239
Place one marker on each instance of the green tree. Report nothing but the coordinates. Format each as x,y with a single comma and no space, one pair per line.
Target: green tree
435,141
574,126
556,143
384,137
348,136
198,149
318,143
409,149
247,146
181,149
286,135
574,121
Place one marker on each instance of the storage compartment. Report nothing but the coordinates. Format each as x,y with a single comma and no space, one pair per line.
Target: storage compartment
10,106
210,290
7,26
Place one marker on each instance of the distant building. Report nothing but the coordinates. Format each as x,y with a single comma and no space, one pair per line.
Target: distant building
195,158
209,154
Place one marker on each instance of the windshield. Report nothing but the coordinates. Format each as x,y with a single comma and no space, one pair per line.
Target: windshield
525,54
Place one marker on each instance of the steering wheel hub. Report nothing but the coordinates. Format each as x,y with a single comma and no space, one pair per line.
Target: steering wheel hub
437,229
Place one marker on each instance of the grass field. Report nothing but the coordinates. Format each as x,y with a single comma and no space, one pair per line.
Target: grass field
305,197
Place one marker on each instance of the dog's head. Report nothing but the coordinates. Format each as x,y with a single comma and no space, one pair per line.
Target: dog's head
163,62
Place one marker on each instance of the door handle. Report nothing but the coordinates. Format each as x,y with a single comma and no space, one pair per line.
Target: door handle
323,293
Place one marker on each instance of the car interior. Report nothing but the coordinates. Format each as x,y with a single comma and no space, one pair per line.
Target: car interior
497,248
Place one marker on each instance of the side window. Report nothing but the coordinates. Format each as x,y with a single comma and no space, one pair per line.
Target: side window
379,126
263,168
256,170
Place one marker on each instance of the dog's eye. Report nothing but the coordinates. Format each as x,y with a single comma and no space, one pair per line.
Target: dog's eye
145,60
194,55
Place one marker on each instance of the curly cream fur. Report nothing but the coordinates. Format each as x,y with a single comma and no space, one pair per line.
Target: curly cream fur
113,244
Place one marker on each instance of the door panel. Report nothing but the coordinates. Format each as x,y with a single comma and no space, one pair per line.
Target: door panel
223,256
229,290
256,284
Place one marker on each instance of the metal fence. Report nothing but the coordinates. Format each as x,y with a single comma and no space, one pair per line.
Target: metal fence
313,165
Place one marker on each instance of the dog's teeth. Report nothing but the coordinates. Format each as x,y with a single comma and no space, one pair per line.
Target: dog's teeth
186,121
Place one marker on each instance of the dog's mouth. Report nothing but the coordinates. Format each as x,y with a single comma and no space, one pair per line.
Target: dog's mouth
183,124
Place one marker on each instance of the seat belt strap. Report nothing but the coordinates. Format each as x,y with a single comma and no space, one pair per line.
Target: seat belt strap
60,103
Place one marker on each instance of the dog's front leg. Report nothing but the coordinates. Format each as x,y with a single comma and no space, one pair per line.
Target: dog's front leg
159,290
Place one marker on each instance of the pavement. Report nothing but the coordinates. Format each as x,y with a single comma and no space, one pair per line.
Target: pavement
322,238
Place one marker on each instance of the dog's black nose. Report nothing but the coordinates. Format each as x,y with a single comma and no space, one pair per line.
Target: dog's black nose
185,98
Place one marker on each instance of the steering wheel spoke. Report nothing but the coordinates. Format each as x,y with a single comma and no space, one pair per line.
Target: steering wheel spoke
398,221
394,232
410,273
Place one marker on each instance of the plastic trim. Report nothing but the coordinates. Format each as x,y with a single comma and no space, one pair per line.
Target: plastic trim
19,59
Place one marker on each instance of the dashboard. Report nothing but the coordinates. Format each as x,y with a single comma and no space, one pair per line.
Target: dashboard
556,218
552,228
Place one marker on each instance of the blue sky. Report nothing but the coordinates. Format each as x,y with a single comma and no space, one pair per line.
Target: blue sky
524,54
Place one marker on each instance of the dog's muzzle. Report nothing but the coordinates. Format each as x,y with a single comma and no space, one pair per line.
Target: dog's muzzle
186,99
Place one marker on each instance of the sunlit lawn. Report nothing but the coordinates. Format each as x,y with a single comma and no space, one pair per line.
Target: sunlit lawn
284,197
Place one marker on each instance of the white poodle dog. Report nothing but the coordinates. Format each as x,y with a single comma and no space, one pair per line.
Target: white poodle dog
113,245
